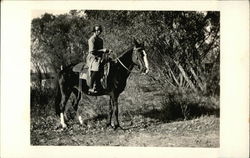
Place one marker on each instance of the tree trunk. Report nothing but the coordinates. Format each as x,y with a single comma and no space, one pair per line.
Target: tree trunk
185,76
197,79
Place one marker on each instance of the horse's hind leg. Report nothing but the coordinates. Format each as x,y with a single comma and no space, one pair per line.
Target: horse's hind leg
78,95
65,97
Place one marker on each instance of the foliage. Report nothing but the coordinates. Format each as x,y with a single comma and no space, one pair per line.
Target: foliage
57,40
42,93
188,105
182,46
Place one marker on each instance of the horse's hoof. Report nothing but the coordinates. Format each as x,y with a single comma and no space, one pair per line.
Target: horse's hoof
57,127
108,125
80,120
84,124
115,127
64,126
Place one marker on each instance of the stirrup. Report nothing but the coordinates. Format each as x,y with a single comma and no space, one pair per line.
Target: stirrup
92,90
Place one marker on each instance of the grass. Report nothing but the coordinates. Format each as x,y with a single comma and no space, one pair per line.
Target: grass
200,132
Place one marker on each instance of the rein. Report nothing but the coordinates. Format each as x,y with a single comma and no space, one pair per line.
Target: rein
123,65
126,67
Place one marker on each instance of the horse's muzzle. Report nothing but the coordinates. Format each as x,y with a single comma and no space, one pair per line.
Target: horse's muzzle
144,70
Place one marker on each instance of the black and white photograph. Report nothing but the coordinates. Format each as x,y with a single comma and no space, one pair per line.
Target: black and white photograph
125,79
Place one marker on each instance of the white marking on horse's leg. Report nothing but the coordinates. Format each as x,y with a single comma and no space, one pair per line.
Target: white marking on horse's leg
145,61
80,119
62,120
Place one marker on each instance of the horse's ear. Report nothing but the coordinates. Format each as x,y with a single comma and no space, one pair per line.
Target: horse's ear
135,42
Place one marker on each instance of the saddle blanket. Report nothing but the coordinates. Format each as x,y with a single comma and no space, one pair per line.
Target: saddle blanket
83,71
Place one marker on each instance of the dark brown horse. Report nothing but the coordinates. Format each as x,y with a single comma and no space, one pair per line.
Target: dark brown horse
120,69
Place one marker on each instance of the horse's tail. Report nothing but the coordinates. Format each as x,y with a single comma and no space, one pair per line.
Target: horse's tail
58,99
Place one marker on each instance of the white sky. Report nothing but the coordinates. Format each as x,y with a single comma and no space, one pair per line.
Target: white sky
38,13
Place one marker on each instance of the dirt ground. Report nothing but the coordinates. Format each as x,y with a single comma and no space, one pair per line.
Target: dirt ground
142,118
141,131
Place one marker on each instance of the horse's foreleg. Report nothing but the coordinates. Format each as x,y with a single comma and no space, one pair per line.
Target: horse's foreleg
110,112
116,112
62,120
116,121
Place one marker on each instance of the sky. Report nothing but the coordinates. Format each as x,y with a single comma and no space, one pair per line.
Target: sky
38,13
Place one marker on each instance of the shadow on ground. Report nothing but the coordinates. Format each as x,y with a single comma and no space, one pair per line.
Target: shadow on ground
184,112
99,117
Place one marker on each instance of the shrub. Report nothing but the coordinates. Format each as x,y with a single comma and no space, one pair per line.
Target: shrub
186,105
40,98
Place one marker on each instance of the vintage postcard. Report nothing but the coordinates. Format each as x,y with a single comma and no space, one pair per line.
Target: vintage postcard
125,79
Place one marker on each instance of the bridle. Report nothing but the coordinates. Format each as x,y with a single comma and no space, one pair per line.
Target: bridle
125,66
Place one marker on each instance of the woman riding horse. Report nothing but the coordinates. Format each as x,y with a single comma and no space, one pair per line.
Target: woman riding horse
119,71
94,58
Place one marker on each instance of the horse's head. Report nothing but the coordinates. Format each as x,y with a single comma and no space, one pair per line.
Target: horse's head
139,57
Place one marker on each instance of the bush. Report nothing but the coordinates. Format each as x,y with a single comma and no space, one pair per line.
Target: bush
186,105
41,96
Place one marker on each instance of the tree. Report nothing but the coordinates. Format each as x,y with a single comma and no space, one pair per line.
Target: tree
180,44
58,40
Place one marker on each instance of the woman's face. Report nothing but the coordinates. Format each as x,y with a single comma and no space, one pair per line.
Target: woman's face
98,32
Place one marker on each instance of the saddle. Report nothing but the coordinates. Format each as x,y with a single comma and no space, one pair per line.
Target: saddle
84,73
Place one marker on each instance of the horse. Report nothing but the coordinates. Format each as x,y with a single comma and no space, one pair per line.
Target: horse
120,69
